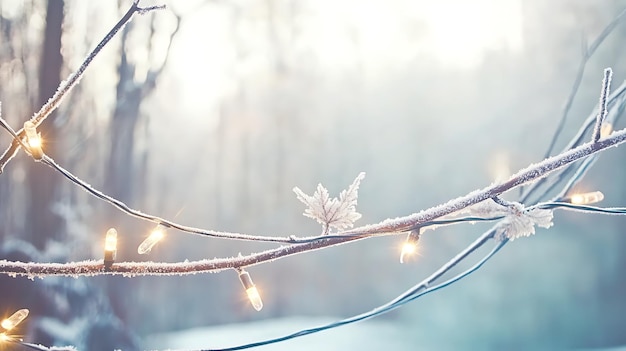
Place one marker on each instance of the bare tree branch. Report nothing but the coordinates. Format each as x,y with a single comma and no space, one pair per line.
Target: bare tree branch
74,78
387,227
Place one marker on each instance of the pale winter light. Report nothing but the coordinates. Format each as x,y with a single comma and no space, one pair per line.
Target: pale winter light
461,32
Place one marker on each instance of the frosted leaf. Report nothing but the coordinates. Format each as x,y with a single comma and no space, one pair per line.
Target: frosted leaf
486,208
332,212
522,223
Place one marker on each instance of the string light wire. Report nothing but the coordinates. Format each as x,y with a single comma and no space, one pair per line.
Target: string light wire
577,151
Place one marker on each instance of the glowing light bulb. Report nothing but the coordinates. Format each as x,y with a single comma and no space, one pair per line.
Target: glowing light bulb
410,244
110,247
157,234
15,319
606,129
586,198
33,140
251,290
4,337
499,167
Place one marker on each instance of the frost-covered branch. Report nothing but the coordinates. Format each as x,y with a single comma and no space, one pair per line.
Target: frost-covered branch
387,227
73,79
602,105
348,199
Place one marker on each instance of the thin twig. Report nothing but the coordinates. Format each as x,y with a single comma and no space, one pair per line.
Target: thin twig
616,100
579,76
387,227
73,79
602,110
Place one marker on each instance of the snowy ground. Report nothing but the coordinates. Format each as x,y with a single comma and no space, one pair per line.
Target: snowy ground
363,336
368,335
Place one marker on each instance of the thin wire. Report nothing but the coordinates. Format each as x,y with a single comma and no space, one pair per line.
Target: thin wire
152,218
411,294
581,208
225,235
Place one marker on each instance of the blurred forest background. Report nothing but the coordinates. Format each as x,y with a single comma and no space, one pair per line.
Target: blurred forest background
210,112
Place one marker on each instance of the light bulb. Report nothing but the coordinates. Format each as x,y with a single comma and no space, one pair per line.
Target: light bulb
499,166
251,290
110,247
33,139
410,244
157,234
15,319
606,129
586,198
255,298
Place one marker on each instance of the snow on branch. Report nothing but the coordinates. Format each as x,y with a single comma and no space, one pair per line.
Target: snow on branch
388,227
602,110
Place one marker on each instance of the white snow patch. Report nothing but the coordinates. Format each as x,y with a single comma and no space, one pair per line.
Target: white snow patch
367,335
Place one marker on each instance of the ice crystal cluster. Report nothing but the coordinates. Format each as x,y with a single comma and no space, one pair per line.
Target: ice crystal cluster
339,213
518,221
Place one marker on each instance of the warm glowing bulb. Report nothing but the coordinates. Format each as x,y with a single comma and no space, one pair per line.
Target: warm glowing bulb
587,198
110,242
606,130
15,319
410,245
408,249
33,140
110,247
157,234
499,167
4,337
251,290
255,298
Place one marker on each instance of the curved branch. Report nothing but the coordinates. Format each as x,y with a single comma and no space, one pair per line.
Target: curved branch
387,227
73,79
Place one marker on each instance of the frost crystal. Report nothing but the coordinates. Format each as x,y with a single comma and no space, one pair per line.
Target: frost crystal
487,208
332,212
521,222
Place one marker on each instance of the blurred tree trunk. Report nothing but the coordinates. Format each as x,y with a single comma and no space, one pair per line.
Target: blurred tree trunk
122,173
119,170
43,185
